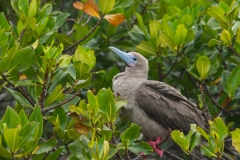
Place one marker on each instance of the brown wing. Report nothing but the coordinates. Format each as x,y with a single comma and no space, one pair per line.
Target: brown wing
168,106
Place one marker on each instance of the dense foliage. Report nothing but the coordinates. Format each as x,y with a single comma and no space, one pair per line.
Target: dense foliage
55,63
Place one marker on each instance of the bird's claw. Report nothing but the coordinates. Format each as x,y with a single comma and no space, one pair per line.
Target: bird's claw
153,144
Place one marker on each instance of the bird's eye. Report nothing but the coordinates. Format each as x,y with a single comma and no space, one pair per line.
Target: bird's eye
134,58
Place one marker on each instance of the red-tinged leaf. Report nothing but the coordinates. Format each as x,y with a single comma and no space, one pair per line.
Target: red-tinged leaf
115,19
78,5
91,8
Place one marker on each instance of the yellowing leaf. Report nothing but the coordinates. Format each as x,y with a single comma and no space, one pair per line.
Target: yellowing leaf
78,5
115,19
91,8
23,77
82,128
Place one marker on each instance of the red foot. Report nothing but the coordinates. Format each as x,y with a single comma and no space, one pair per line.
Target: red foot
153,145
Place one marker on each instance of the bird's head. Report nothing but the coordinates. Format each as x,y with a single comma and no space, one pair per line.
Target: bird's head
133,60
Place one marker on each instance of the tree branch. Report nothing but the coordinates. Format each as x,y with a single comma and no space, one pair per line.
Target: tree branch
19,90
175,62
64,102
234,51
216,104
205,110
43,94
86,36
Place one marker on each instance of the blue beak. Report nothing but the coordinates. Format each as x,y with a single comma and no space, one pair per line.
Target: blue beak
126,57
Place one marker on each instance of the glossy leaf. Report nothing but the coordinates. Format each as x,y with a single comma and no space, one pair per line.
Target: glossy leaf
130,135
181,34
236,139
203,65
217,13
141,147
146,48
4,23
33,7
36,116
141,24
205,150
55,154
221,128
5,153
154,27
180,139
47,146
19,98
23,6
226,37
106,5
233,81
9,116
12,138
55,96
166,40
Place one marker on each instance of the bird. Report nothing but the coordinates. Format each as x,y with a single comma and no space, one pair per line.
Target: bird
154,105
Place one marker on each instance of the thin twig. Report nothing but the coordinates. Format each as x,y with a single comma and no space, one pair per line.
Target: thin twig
21,34
66,146
74,84
64,102
43,94
194,156
19,90
216,104
205,110
81,18
86,36
171,155
87,21
163,76
234,51
128,156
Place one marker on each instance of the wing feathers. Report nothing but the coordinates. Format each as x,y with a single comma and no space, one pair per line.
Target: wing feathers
167,106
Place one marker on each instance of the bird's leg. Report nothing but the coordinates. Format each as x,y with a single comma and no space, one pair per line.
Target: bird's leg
153,144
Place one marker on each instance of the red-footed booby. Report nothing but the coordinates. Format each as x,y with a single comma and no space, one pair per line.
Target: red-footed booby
155,106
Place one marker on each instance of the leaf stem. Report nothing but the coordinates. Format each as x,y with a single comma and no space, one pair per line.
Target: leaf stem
86,36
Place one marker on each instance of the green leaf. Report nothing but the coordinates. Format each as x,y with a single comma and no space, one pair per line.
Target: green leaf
225,36
106,102
141,24
146,48
233,81
23,6
12,138
130,135
5,153
54,155
236,139
11,118
221,128
4,23
213,42
181,140
23,117
208,151
29,133
238,36
59,112
55,96
203,65
224,80
60,20
181,34
154,27
92,100
47,146
143,147
33,8
7,59
203,133
36,116
106,5
19,98
217,13
23,59
166,40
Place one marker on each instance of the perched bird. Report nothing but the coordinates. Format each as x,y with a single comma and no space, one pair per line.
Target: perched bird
155,106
